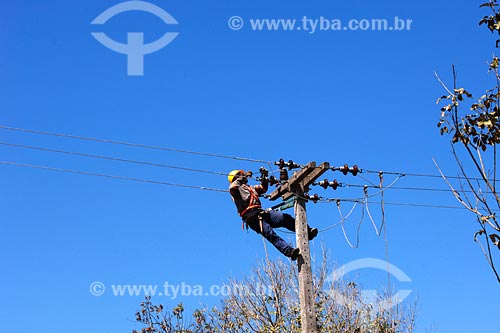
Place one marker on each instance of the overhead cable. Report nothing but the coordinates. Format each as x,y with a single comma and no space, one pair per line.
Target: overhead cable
123,143
208,188
110,158
111,176
427,175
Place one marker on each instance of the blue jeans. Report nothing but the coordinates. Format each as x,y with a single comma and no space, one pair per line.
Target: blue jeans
274,220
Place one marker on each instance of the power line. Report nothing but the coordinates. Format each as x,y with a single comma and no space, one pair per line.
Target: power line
111,158
361,201
139,145
427,175
192,169
111,176
202,187
117,159
123,143
421,205
408,188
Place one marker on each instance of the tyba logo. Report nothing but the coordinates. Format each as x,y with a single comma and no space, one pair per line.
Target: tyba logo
371,296
135,49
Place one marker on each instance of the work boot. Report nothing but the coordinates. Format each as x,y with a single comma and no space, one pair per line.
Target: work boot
312,232
294,254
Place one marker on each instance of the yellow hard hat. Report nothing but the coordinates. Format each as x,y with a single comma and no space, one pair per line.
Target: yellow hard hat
233,173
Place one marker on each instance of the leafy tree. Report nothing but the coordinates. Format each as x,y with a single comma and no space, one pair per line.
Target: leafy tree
474,126
267,301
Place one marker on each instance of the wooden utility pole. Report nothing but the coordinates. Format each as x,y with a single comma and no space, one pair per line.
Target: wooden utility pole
297,186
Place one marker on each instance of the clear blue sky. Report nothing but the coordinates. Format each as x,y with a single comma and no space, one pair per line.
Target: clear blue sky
357,97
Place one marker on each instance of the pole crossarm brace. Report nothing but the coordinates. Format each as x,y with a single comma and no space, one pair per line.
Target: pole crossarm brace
300,180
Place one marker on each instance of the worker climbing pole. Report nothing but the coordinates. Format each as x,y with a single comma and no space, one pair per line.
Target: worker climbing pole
293,190
246,199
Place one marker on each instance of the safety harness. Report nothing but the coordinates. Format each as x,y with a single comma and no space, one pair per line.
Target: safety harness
254,203
254,200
